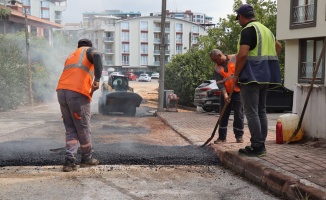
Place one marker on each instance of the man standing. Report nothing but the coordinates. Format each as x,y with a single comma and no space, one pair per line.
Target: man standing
257,68
224,70
74,91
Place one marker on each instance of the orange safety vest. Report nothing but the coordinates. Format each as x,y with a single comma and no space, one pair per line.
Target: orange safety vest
78,73
227,76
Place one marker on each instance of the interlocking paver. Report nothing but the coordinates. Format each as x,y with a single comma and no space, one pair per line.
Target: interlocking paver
302,163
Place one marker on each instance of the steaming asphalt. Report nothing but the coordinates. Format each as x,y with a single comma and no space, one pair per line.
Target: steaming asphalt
115,141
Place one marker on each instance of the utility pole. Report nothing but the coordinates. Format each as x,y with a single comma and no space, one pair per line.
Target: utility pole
162,59
189,40
31,101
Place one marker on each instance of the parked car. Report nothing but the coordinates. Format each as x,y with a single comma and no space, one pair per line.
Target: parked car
278,99
212,102
144,77
201,92
131,76
155,75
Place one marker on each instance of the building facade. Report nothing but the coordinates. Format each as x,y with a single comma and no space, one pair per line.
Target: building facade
19,18
133,44
88,17
50,10
302,25
188,15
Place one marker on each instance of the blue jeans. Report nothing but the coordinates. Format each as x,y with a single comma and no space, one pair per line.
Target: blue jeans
236,104
253,96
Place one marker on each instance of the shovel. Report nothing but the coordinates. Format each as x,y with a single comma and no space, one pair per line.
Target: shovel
219,119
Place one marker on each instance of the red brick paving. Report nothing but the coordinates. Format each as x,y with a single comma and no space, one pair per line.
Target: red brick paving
295,166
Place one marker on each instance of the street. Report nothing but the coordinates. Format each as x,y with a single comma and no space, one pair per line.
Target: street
141,158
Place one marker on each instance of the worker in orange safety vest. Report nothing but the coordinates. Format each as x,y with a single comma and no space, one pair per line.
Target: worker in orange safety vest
223,70
79,79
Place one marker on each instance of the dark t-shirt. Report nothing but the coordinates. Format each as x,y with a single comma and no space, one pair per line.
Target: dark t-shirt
249,37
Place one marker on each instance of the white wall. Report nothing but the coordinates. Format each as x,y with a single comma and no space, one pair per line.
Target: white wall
283,31
314,121
291,63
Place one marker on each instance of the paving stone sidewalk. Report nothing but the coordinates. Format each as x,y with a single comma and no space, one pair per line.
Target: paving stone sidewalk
295,170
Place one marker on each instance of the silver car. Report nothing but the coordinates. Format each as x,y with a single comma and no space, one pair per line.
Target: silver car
144,77
201,92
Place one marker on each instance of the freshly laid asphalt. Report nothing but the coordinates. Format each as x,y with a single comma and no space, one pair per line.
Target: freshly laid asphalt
295,170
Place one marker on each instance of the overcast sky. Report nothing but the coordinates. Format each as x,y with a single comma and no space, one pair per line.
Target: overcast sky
213,8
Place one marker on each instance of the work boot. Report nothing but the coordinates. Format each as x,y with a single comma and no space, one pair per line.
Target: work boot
91,162
252,151
69,166
239,139
219,140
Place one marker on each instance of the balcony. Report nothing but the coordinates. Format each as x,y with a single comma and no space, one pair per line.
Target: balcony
108,51
157,29
58,17
157,40
157,63
125,62
108,39
108,63
178,41
157,52
303,16
307,70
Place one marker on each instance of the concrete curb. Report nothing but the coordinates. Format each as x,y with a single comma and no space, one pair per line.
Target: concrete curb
276,182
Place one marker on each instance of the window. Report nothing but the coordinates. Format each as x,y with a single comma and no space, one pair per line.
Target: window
178,27
45,4
178,38
125,60
26,2
143,60
144,26
303,13
195,29
144,49
125,37
125,48
125,25
178,49
45,14
309,53
194,39
144,37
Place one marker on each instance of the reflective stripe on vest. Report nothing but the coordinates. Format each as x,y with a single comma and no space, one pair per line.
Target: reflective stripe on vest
228,76
262,64
80,64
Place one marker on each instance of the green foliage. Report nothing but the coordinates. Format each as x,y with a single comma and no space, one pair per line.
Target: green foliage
46,62
4,13
13,87
185,72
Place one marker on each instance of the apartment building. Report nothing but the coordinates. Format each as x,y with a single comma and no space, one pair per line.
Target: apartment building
38,23
50,10
188,15
88,17
133,44
302,25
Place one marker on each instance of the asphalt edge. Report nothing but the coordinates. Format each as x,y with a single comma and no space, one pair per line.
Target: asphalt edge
275,181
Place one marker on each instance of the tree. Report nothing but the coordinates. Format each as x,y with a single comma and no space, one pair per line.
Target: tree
47,64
